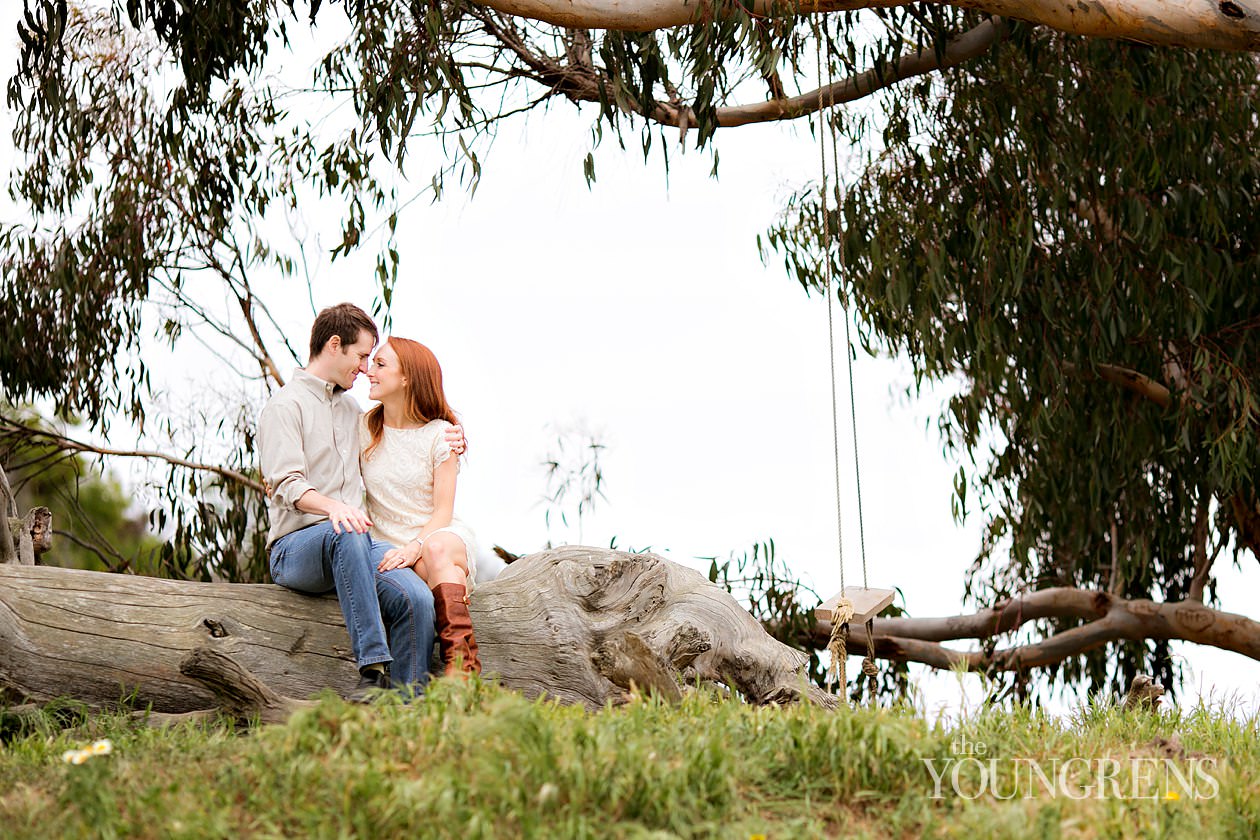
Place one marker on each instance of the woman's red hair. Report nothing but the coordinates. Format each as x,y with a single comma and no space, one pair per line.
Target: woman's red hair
425,398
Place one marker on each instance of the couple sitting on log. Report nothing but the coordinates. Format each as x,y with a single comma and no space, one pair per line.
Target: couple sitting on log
401,560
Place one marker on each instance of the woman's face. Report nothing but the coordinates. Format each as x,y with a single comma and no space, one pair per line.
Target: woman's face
385,374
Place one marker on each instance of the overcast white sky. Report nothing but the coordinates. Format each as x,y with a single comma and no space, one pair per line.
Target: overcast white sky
640,310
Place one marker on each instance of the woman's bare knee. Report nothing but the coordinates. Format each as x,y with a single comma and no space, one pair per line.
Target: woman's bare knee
446,558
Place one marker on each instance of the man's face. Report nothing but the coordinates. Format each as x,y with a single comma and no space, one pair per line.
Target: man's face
353,360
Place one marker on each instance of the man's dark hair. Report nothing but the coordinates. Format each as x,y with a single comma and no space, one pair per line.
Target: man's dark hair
344,320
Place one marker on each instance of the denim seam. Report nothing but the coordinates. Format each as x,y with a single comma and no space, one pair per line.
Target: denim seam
411,621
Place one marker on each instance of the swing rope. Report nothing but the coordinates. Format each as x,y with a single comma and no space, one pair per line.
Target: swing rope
837,645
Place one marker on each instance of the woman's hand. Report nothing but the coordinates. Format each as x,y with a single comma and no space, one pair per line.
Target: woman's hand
399,558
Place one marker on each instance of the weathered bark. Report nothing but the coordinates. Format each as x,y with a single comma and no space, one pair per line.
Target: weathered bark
1212,24
568,623
1107,619
32,535
8,509
103,638
581,625
239,692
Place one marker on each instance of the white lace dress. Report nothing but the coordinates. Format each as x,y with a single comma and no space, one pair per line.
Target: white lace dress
398,476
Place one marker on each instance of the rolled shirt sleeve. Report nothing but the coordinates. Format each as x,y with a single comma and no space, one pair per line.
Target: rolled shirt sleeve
281,456
308,440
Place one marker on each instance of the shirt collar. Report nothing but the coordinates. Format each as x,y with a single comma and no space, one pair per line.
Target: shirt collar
315,385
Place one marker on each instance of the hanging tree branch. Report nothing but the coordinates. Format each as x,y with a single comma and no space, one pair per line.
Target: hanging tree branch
10,428
969,45
577,78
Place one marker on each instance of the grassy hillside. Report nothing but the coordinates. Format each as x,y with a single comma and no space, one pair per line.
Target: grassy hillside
475,761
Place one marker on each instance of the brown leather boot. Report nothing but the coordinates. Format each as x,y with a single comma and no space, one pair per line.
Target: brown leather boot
455,630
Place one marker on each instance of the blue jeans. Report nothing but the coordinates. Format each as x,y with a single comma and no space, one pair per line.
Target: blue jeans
389,615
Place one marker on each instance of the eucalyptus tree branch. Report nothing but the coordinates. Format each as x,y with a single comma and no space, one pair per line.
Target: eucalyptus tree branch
972,43
258,352
211,322
1138,383
1230,25
1202,560
1003,617
122,566
580,80
244,293
577,80
1107,619
9,427
88,523
265,361
241,290
43,460
284,339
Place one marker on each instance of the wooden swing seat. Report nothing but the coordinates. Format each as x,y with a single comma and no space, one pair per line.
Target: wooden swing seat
867,603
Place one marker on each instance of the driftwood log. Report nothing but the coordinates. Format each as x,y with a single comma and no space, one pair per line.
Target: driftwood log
582,625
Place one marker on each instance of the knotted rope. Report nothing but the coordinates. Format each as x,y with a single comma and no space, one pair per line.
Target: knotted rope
838,644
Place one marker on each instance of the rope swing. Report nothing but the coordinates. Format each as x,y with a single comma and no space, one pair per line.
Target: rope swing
852,604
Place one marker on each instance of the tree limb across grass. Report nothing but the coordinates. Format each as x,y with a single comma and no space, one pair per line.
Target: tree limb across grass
1105,618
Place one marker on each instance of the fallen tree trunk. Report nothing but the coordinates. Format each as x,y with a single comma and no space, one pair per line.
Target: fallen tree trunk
107,638
582,625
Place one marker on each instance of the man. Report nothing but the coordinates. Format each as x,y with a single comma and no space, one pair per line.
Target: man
309,452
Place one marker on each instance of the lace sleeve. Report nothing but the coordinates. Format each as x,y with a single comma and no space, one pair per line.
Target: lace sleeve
440,449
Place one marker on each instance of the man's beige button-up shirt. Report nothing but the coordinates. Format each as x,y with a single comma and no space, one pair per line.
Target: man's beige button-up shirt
308,440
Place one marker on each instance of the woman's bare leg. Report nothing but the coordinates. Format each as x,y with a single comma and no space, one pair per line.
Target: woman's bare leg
446,566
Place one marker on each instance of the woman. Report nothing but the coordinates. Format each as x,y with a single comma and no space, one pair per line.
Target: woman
410,478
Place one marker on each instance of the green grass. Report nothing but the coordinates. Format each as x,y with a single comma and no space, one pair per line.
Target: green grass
471,760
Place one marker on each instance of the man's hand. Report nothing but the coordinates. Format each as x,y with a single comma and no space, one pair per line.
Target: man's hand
455,438
399,558
345,518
